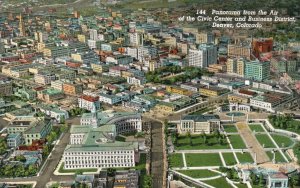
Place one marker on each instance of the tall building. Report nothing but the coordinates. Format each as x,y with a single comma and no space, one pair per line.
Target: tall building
41,37
257,70
236,66
205,55
239,51
240,68
6,88
204,38
231,65
93,34
21,26
262,45
136,39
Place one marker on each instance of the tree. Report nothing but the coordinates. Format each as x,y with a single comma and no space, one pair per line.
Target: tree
19,171
229,174
32,169
217,134
78,172
20,158
220,140
253,178
175,141
9,170
295,180
52,136
3,146
46,150
261,180
147,181
189,137
63,128
111,172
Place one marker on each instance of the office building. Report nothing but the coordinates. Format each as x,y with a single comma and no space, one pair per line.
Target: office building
256,70
125,121
205,55
89,103
236,66
239,51
40,129
5,86
262,45
96,148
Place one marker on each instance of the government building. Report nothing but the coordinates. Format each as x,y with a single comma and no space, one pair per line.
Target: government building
124,121
198,124
97,148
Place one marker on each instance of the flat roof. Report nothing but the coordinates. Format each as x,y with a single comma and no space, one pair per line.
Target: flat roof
201,118
112,146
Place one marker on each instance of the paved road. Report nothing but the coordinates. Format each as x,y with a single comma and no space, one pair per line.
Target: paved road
252,143
51,164
157,161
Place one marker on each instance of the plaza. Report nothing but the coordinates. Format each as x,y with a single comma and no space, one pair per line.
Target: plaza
245,142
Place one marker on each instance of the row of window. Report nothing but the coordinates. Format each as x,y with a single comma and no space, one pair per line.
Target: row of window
100,157
100,152
97,166
100,162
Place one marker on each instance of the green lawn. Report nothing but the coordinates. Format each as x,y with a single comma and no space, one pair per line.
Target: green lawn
230,128
229,159
176,160
282,141
264,140
241,185
218,182
142,163
256,127
237,142
203,159
244,157
183,143
62,170
293,126
198,173
278,157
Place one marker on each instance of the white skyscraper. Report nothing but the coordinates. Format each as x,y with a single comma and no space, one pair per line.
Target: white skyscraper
136,39
93,34
205,55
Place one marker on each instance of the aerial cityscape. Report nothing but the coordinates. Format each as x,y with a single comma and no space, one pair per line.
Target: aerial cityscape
149,93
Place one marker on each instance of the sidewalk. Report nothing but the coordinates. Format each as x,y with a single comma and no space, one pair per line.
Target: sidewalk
57,173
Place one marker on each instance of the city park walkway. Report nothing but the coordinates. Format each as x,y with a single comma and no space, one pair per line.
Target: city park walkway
253,145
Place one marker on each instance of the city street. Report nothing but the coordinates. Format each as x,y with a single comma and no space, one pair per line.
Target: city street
51,163
157,161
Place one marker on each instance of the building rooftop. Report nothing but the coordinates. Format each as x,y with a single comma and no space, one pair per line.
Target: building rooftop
109,117
51,91
13,135
37,127
89,98
278,176
112,146
201,118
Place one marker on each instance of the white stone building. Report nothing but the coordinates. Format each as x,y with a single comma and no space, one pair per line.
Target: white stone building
89,103
197,124
97,148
